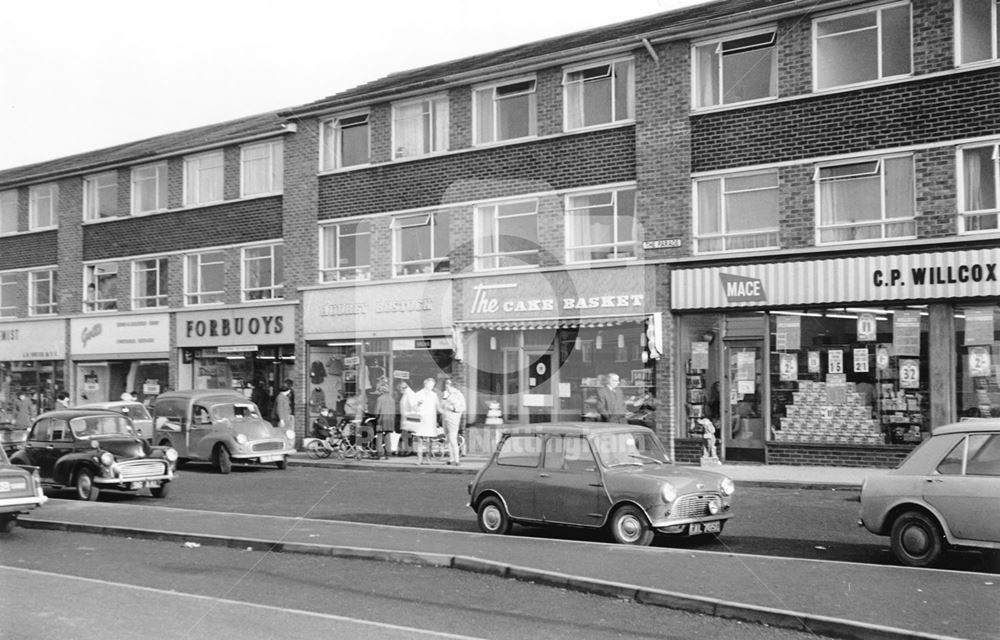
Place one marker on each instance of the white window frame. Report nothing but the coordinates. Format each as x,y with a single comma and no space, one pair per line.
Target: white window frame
274,287
994,35
8,294
201,172
8,212
94,298
195,295
495,211
620,249
140,273
48,306
157,181
532,92
726,236
970,218
43,207
332,140
882,45
96,190
569,104
437,262
879,170
343,272
273,164
698,81
434,124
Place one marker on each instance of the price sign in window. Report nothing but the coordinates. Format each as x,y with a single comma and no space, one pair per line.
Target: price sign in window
789,367
867,327
835,361
909,373
979,362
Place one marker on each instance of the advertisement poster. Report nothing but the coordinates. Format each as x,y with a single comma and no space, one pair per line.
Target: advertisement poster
746,366
861,360
835,361
813,362
909,373
787,333
699,356
882,358
789,367
978,325
867,327
906,333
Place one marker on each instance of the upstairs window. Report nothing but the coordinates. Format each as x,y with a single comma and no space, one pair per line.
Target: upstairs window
737,212
205,278
420,127
8,295
263,272
262,169
420,243
42,293
506,235
738,69
100,196
979,171
8,212
599,94
977,31
149,188
203,179
346,251
42,206
505,112
346,142
601,226
102,287
863,46
867,200
149,283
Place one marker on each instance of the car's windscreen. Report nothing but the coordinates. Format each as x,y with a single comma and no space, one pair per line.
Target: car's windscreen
241,411
97,426
632,448
134,411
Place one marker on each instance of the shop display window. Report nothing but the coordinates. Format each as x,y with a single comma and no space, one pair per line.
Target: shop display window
978,361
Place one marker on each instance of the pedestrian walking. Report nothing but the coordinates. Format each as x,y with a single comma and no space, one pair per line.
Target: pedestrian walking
283,408
452,410
24,410
385,420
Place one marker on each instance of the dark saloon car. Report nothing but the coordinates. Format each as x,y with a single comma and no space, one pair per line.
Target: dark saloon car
597,475
20,492
91,449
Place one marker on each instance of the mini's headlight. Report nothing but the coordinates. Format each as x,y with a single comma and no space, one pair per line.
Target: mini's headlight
668,492
241,438
290,434
727,486
107,459
170,454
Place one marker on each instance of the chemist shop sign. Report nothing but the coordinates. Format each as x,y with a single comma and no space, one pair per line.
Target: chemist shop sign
39,340
120,335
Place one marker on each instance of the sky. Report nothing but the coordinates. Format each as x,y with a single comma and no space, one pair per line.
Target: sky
79,76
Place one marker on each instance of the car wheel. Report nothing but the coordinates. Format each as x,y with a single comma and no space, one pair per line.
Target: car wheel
282,464
160,491
916,539
7,524
223,461
85,487
492,517
629,526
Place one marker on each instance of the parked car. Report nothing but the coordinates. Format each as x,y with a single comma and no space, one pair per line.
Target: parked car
90,450
142,421
595,475
218,426
20,492
945,494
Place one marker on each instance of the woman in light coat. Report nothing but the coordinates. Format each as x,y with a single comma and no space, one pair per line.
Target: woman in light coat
428,405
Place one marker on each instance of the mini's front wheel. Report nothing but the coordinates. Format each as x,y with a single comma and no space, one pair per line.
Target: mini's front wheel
629,526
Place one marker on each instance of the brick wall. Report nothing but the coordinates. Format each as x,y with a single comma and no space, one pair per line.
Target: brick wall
803,454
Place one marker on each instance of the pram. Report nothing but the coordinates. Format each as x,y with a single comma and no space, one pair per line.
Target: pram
329,440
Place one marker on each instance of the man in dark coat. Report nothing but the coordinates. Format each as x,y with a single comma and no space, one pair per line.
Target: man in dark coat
611,400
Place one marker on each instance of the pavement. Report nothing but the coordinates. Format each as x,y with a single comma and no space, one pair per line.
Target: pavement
836,599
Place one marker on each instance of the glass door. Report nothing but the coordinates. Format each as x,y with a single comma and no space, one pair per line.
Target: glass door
743,414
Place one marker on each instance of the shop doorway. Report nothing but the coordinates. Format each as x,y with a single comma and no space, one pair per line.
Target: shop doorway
538,388
743,405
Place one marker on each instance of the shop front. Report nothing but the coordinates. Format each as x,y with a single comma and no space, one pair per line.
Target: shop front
250,350
847,361
32,363
115,355
540,345
360,335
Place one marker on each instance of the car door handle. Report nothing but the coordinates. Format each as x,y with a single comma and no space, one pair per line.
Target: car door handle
544,475
934,480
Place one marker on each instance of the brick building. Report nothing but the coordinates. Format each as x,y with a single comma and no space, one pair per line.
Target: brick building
781,216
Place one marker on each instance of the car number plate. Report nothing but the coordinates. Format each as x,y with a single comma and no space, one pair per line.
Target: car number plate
271,458
698,528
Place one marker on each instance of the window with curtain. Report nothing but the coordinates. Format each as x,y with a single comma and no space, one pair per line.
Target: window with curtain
149,188
736,69
42,293
203,179
102,287
263,272
420,127
8,295
601,226
262,169
599,94
505,112
346,141
42,206
506,234
980,176
420,243
977,31
346,251
862,46
8,212
205,278
149,283
866,200
100,196
737,212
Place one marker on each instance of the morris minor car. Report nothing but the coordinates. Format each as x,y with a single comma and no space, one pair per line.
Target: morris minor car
597,475
89,450
20,492
220,427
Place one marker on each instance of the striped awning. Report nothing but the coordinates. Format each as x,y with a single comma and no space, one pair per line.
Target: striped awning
549,324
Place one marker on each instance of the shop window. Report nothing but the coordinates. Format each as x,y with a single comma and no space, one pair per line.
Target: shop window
346,251
346,142
262,169
979,168
601,226
8,295
42,293
100,196
866,200
420,243
205,278
420,127
738,212
863,46
149,283
8,212
977,31
978,342
102,287
507,235
505,111
599,94
203,179
263,272
736,69
149,188
42,206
